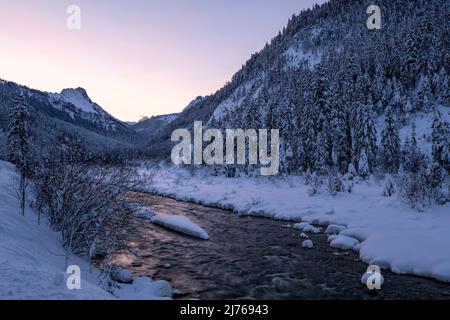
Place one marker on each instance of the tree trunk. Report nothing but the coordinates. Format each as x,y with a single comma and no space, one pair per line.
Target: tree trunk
22,194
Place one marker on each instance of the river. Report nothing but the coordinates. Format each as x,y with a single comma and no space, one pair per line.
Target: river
253,258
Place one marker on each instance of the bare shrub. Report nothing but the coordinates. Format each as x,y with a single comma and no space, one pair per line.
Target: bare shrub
315,184
334,184
85,202
421,189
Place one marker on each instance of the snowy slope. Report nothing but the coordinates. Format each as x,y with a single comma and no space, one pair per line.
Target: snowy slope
31,257
193,103
76,102
79,98
32,262
392,235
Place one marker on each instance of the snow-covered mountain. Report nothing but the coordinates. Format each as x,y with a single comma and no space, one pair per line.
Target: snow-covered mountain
150,126
77,102
72,110
325,72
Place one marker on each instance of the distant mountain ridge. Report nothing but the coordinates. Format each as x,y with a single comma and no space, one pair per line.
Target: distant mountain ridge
151,126
71,110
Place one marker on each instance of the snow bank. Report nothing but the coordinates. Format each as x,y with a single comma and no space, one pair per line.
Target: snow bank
180,224
32,260
144,288
31,256
389,232
344,243
306,227
334,229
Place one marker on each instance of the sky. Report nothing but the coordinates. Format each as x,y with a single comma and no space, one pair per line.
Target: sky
136,58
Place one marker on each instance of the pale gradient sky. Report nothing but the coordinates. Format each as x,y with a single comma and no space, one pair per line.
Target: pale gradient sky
136,57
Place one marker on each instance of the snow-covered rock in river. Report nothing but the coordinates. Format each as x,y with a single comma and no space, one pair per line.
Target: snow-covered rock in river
344,243
180,224
308,244
332,237
121,275
334,229
144,213
304,236
306,227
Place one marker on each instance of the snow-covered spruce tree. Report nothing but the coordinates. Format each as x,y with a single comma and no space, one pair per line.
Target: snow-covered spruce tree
321,154
363,165
411,62
423,93
19,146
378,85
252,117
441,84
270,118
365,138
441,141
320,100
342,137
308,135
390,144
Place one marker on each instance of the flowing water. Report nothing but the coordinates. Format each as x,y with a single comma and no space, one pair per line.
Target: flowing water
253,258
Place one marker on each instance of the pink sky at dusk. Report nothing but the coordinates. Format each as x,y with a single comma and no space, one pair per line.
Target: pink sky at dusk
139,57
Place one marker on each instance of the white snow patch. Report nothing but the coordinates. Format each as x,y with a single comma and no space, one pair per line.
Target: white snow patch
308,244
334,229
344,243
306,227
332,237
144,288
78,98
31,255
297,57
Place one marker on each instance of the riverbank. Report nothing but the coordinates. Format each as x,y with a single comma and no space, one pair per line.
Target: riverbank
32,259
388,232
253,258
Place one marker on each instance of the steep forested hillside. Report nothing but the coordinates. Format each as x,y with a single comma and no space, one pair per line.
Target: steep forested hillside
328,82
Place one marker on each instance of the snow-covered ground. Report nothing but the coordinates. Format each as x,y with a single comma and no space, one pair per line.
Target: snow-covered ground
385,231
32,260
